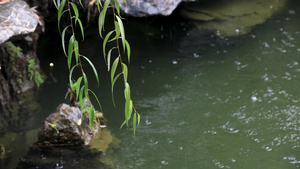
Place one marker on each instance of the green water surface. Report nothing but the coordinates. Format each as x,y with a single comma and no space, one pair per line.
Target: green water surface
205,101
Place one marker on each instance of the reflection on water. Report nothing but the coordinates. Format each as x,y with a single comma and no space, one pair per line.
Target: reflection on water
207,101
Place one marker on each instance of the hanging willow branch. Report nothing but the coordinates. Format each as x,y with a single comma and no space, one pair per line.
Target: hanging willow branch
71,51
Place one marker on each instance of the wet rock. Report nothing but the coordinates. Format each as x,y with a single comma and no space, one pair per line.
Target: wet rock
17,20
20,70
231,17
66,140
19,75
68,126
19,66
149,7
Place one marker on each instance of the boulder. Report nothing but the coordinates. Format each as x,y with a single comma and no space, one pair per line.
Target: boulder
68,126
139,8
17,20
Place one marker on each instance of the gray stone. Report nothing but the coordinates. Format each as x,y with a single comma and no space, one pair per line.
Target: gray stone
16,19
140,8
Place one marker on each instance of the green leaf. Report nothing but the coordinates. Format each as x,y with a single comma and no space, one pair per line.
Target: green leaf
86,85
63,39
106,3
72,86
97,99
108,59
58,20
99,2
112,88
102,15
127,91
128,110
93,67
128,50
104,43
70,51
55,4
113,79
122,31
81,28
76,50
117,6
125,72
113,69
78,87
80,98
117,30
98,6
80,3
75,9
134,123
123,124
100,22
91,112
60,9
70,74
139,119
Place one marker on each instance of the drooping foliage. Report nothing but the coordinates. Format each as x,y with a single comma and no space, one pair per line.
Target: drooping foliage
79,86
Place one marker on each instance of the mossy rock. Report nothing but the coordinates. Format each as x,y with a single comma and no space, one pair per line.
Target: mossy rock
231,17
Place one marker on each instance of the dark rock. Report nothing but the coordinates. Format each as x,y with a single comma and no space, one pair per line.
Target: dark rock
19,74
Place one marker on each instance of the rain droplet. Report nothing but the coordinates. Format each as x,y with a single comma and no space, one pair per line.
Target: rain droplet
266,44
268,149
254,98
164,162
292,12
237,63
174,62
148,122
196,55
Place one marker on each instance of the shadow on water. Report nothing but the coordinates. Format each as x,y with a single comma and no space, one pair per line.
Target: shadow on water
205,101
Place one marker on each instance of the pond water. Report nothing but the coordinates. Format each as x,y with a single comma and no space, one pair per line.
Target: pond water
205,101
